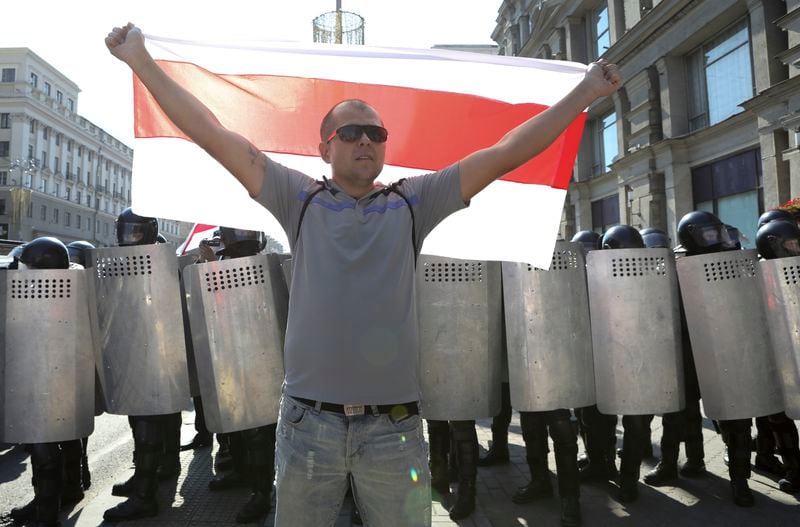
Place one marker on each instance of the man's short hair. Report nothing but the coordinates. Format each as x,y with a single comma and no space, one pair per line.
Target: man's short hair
326,128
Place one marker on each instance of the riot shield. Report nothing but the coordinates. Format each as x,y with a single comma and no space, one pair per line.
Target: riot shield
548,333
781,279
136,308
47,367
238,310
725,315
459,310
636,331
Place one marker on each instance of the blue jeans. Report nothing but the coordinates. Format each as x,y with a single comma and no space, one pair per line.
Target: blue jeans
318,451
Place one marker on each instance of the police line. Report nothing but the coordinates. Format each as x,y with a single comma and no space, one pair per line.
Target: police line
600,328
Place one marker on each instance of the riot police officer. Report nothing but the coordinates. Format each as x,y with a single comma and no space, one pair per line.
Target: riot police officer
621,237
778,238
156,437
701,232
252,450
56,466
465,446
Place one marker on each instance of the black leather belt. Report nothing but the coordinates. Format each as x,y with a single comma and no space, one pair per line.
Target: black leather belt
398,411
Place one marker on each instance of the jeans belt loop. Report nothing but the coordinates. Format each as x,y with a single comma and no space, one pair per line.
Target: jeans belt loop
317,407
374,409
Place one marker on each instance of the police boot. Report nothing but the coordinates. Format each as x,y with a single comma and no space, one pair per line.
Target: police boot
534,433
170,464
539,486
86,475
631,458
237,477
788,445
260,446
498,451
25,513
739,467
72,488
466,447
47,489
142,503
439,440
601,447
695,466
667,469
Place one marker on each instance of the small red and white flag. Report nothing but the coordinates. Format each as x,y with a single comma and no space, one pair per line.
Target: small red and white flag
199,232
438,106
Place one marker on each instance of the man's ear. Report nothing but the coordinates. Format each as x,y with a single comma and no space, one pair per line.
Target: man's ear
324,152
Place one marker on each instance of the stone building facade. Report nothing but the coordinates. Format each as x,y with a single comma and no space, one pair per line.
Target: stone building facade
60,174
708,117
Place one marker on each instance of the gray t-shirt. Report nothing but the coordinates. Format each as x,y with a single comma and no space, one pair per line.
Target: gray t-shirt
352,335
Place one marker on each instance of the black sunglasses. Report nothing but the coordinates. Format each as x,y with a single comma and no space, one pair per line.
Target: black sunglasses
350,133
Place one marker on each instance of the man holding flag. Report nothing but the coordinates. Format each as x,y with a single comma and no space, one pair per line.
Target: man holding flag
351,389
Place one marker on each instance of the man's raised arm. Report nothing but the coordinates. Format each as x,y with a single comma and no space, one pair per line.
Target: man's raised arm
233,151
534,135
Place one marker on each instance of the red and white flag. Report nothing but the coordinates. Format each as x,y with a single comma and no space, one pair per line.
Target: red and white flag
438,106
199,232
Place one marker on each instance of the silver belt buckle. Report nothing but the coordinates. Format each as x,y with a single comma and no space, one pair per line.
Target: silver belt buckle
353,409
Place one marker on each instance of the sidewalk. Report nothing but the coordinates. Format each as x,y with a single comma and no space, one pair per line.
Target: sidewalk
705,502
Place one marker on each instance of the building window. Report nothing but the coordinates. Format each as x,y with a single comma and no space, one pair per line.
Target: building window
5,120
58,139
56,189
67,219
71,105
57,164
78,221
605,213
78,197
4,230
43,212
33,126
44,158
30,151
9,75
730,188
34,80
59,97
3,178
602,36
2,207
69,145
91,155
80,151
55,215
720,76
604,143
44,186
67,171
47,89
4,148
69,194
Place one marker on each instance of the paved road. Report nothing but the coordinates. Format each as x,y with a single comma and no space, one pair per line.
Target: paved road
187,502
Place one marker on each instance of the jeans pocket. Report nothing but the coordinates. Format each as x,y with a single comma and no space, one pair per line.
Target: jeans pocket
404,422
294,414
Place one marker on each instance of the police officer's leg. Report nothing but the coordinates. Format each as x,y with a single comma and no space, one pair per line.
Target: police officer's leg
202,437
736,434
170,465
630,466
86,475
786,435
601,442
466,443
260,447
667,469
766,459
127,487
565,444
148,444
695,465
534,433
237,476
72,488
647,438
439,441
47,488
27,512
498,450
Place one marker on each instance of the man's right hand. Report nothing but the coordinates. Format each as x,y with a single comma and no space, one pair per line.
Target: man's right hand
126,43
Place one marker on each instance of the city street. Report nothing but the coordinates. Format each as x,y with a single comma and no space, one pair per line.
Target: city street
187,501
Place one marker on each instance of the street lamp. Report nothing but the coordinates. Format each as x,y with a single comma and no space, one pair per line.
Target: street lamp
26,168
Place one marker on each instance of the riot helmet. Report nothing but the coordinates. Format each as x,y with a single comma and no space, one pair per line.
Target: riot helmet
701,232
133,229
45,252
14,255
240,242
78,252
778,239
589,239
735,239
654,238
622,237
774,215
160,238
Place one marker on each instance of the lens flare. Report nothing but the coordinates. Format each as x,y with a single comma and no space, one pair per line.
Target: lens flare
402,439
414,475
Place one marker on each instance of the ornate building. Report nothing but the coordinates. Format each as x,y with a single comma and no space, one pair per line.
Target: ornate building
708,117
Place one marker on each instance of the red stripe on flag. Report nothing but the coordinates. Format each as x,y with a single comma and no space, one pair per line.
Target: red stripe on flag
427,129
